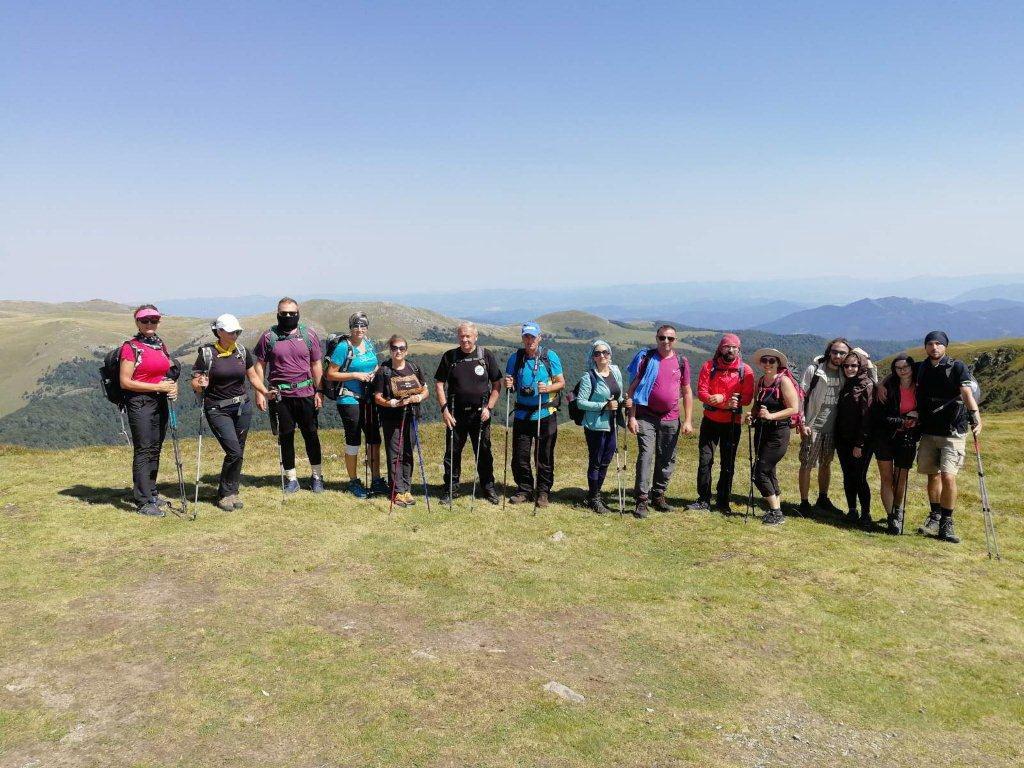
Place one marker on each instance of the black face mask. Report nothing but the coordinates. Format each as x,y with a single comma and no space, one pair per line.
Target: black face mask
287,323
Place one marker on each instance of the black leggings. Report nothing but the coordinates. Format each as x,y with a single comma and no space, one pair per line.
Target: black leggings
298,412
147,419
398,435
855,477
771,444
230,426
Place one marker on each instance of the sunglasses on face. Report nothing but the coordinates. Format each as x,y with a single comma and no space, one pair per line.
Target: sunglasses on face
666,338
602,353
398,348
148,320
769,361
288,314
362,326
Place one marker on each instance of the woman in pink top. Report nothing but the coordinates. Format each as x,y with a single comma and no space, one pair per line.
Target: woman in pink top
147,378
895,436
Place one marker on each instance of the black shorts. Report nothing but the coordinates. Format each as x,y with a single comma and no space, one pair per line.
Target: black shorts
359,418
295,412
899,451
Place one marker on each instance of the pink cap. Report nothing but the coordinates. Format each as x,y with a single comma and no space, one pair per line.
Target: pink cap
729,340
147,312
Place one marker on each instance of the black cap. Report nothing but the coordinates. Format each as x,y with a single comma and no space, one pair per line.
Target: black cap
939,336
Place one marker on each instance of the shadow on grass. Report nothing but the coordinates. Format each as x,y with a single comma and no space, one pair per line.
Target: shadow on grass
119,498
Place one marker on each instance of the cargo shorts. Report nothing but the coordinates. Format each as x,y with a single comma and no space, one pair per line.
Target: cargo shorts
941,453
816,450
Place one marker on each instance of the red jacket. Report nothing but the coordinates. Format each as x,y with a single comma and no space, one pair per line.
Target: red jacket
726,381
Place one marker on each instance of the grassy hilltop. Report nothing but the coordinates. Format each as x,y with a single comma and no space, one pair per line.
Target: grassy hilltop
322,632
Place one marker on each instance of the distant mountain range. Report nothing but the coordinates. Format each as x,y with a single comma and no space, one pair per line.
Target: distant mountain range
895,317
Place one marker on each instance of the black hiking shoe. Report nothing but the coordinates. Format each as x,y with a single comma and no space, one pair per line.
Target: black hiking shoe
491,495
825,504
865,521
640,511
447,500
520,497
804,510
773,517
894,522
660,503
596,503
151,510
724,507
380,486
946,532
161,501
852,517
700,505
930,527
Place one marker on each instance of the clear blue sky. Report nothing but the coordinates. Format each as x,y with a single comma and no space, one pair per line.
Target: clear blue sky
332,146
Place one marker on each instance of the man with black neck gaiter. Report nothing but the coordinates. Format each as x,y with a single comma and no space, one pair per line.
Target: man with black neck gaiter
292,355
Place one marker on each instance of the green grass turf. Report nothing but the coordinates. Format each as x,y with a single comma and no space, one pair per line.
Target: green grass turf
322,632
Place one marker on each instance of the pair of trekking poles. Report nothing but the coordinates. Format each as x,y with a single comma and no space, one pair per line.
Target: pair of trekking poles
450,446
396,462
536,474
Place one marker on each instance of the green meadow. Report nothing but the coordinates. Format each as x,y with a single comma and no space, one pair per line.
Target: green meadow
322,631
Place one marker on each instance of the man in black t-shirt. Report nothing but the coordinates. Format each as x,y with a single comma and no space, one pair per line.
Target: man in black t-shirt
468,383
946,404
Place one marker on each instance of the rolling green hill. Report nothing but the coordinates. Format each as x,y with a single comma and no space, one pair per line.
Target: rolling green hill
321,631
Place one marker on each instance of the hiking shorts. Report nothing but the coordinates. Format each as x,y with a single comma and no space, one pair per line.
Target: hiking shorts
360,419
941,453
817,449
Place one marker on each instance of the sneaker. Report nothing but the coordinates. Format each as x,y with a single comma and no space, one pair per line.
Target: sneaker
161,501
660,503
825,504
640,511
292,486
491,495
866,522
316,484
380,486
724,508
930,527
519,498
894,522
596,503
773,517
227,503
398,500
946,532
699,506
151,510
357,489
542,499
852,517
804,509
408,499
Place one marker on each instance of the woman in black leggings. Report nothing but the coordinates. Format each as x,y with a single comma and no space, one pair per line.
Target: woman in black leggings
853,435
775,401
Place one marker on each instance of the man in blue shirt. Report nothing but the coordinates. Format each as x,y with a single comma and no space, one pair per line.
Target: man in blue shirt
535,376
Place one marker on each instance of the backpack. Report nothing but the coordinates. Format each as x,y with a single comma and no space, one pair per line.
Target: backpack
110,371
332,389
711,375
797,419
273,336
388,372
554,400
575,412
206,353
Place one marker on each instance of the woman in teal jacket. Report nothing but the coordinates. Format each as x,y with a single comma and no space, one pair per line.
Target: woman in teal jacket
600,395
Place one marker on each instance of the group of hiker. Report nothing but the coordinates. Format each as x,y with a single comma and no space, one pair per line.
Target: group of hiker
920,411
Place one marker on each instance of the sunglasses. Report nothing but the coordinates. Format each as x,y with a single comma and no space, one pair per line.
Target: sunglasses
359,325
666,338
398,348
851,366
288,314
148,320
769,361
602,353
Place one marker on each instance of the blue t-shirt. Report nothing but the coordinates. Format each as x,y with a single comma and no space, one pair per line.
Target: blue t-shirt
533,372
362,362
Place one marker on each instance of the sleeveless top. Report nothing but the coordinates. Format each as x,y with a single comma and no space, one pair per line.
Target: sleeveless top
771,398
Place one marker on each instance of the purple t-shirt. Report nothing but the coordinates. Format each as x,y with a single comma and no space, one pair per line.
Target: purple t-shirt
664,397
290,360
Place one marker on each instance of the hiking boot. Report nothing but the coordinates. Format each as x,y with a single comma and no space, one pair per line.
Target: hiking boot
447,500
894,522
930,527
151,510
660,503
596,503
380,486
398,500
292,486
491,495
865,520
699,506
852,517
640,512
408,499
773,517
357,489
316,484
161,501
804,510
238,502
520,497
226,503
724,507
542,499
946,532
825,504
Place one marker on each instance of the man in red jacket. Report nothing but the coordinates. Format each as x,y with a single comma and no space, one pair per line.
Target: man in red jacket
724,386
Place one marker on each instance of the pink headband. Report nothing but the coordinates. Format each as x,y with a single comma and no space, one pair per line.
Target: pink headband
147,312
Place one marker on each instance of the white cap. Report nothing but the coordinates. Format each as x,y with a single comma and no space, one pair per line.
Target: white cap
227,323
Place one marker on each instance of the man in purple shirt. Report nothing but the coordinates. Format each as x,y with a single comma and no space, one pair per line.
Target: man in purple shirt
291,353
660,378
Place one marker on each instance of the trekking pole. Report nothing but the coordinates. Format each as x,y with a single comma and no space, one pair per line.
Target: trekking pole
451,453
536,463
903,505
476,456
367,420
396,462
750,452
275,430
620,465
199,450
124,428
172,422
504,482
991,544
419,452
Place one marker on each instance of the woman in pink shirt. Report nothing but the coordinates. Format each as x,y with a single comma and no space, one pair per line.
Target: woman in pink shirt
148,378
896,436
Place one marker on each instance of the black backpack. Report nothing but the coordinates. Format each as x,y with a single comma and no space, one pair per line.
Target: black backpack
110,371
554,400
575,412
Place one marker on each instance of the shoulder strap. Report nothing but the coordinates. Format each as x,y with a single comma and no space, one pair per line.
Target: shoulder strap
207,352
518,365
